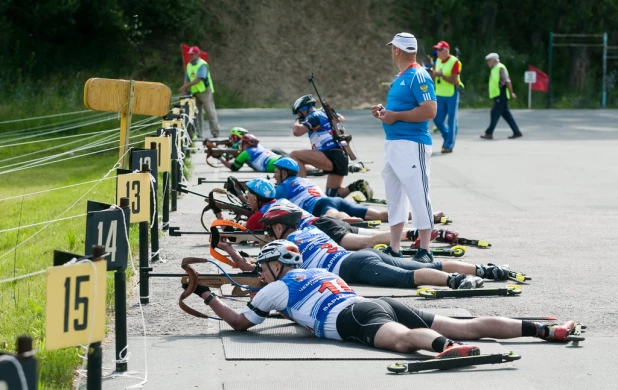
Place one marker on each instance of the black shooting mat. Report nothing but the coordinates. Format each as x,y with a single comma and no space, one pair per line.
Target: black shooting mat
280,339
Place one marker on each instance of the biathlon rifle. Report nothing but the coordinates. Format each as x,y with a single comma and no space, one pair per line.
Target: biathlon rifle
212,150
215,205
339,134
243,283
233,232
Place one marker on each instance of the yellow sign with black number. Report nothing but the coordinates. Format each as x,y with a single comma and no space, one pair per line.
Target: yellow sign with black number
164,151
191,102
136,187
75,312
172,123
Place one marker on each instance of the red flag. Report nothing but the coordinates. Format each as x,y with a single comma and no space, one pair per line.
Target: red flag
542,81
185,54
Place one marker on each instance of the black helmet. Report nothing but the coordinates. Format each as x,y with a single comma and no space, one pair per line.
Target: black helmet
301,102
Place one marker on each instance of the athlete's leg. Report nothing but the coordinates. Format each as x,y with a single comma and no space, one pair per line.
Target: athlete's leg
333,185
373,214
493,327
313,157
396,337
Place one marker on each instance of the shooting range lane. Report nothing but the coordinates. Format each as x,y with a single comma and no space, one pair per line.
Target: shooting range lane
546,203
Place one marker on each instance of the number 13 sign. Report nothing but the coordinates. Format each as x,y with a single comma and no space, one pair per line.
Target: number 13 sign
71,298
136,187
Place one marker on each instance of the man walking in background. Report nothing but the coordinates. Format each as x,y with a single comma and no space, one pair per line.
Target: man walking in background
501,90
199,81
448,82
411,103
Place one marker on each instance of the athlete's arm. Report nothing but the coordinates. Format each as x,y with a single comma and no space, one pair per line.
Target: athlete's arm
300,128
241,262
253,223
238,162
424,91
281,192
272,297
236,320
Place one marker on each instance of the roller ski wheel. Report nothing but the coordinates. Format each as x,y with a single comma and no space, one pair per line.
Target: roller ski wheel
452,363
433,293
439,217
518,277
380,247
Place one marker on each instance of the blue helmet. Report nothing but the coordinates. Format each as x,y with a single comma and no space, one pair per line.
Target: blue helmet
288,164
262,188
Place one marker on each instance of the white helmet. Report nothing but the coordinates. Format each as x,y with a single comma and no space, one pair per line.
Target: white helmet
283,251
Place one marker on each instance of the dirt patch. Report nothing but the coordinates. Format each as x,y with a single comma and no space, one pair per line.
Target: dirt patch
266,50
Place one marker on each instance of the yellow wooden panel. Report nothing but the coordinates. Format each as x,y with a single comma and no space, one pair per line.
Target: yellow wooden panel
164,151
112,95
136,187
74,309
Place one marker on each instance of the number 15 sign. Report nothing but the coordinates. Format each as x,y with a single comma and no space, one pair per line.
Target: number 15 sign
75,304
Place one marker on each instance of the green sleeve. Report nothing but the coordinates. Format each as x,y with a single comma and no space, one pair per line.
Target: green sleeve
242,158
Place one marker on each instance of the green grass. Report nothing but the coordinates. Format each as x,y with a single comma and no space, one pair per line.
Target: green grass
22,303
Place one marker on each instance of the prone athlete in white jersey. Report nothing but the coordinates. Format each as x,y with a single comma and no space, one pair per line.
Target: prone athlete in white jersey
323,303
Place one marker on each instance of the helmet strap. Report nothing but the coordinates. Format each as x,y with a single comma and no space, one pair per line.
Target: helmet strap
272,273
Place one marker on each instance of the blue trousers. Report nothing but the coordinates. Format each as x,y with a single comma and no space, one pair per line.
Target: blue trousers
447,106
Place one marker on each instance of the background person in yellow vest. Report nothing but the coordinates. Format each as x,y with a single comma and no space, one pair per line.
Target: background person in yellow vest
199,82
448,81
501,90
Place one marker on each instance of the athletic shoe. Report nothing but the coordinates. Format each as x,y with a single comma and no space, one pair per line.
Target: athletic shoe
389,251
423,256
447,150
516,135
459,350
557,332
492,271
487,136
417,241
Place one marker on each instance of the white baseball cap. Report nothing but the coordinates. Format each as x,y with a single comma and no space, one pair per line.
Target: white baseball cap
492,56
404,41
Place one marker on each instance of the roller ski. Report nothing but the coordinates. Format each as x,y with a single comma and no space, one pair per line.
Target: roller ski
449,363
456,251
452,238
433,293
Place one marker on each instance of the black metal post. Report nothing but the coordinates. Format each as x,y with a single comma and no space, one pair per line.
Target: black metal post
154,230
166,200
120,312
174,185
144,288
95,353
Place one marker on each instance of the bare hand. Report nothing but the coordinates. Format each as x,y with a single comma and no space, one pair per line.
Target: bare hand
375,109
513,95
224,245
386,116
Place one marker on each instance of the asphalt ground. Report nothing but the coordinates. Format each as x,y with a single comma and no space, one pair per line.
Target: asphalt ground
547,202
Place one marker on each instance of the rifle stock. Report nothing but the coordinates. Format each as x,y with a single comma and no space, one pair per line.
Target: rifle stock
217,281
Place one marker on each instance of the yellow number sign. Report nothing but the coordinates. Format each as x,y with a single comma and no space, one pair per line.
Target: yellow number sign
75,304
172,123
191,102
164,151
136,187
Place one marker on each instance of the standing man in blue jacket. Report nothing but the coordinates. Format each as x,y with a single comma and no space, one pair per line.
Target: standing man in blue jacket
411,104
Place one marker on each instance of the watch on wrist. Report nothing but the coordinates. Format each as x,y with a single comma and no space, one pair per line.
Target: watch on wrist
210,298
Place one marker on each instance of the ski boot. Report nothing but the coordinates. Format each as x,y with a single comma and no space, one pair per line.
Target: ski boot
363,187
494,272
447,236
569,331
412,235
457,350
464,282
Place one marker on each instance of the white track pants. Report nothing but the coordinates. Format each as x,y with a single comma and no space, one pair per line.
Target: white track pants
406,181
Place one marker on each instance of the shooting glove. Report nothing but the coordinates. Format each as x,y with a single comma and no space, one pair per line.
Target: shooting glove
199,290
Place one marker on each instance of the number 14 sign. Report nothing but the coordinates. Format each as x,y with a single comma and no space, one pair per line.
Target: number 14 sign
108,227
